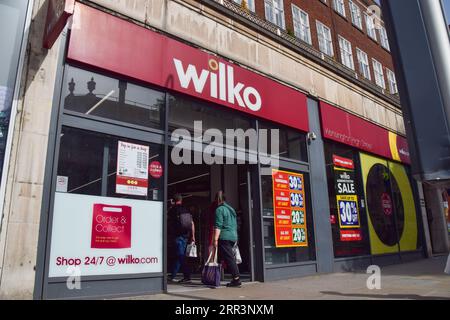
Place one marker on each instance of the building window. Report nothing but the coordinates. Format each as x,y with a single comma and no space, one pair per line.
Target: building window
325,41
356,15
370,23
379,74
339,7
363,62
96,95
384,39
392,81
249,4
302,29
346,53
275,12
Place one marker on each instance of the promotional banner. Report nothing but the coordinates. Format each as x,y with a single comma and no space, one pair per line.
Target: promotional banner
351,130
133,51
289,209
347,199
105,236
132,169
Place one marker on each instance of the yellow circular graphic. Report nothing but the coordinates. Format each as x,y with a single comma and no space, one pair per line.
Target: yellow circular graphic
408,238
213,65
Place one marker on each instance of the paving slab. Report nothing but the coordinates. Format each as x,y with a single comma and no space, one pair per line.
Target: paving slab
419,280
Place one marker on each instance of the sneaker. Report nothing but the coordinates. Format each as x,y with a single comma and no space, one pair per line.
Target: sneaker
184,280
234,284
172,280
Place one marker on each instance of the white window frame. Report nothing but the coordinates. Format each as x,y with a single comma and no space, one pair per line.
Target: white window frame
302,28
275,9
379,74
355,12
363,63
384,39
370,25
346,53
392,81
325,39
339,7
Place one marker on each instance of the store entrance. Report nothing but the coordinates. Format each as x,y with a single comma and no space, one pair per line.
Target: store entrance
198,185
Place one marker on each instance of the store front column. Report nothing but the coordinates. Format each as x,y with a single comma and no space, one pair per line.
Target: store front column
436,219
319,193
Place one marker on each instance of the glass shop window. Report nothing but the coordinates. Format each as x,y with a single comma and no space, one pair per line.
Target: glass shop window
92,94
224,125
287,218
291,143
346,198
88,165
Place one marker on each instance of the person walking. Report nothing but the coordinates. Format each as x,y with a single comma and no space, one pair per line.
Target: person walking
225,237
182,229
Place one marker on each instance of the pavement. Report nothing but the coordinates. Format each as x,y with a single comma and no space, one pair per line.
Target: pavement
419,280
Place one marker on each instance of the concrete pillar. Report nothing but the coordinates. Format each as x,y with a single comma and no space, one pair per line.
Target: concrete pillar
436,219
426,227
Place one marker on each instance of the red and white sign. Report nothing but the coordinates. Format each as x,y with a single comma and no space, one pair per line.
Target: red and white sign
343,162
130,50
105,236
58,13
155,169
111,227
386,204
351,235
132,169
343,127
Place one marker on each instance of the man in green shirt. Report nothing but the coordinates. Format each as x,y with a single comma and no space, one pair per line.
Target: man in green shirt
225,237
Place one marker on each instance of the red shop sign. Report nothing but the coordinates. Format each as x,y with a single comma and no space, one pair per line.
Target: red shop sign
58,12
155,169
103,41
340,126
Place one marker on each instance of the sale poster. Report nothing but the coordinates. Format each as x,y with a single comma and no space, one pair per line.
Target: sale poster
289,209
347,199
132,169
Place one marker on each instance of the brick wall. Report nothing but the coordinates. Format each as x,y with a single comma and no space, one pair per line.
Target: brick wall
324,12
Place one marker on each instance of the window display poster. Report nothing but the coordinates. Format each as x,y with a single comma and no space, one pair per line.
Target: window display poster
105,236
132,169
347,199
289,209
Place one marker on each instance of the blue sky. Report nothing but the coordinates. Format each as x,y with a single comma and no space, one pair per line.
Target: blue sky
447,9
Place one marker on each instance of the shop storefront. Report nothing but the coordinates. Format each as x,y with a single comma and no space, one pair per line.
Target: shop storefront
136,111
371,192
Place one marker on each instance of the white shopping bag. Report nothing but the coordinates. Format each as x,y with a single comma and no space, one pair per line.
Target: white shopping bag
191,250
447,268
237,254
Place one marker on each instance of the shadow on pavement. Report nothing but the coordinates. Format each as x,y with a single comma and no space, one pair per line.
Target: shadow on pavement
384,296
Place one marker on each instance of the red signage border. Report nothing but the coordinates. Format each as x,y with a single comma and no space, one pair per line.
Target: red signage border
343,127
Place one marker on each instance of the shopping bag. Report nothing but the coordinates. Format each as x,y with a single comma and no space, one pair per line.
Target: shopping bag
191,250
447,268
212,270
237,254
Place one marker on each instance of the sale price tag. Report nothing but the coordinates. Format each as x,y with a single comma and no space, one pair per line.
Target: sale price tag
348,211
289,209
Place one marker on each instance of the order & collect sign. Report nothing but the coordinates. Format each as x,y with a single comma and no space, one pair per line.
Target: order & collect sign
289,209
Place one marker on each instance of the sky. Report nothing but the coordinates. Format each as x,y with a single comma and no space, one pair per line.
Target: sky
447,9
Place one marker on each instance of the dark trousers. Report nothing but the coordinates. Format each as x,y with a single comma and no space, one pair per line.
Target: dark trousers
226,254
180,258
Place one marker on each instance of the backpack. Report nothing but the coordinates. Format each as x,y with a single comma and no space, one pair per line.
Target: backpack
184,220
